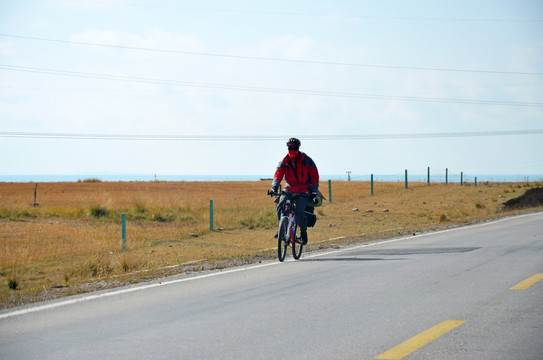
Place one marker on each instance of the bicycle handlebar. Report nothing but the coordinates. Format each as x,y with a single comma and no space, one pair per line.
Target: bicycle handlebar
273,193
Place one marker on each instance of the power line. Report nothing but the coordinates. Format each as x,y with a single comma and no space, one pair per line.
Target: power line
214,138
264,89
259,58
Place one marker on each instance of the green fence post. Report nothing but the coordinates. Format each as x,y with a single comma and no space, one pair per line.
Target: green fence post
371,184
406,179
211,215
446,176
461,178
123,222
428,176
476,181
330,191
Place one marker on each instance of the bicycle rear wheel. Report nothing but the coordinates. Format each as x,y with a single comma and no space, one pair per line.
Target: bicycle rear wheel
297,244
282,239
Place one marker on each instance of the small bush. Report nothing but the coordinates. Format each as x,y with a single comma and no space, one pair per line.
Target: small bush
131,263
17,215
163,218
13,283
125,265
99,211
139,208
91,180
97,267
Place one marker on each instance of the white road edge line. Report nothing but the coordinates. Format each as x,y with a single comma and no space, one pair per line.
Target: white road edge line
246,268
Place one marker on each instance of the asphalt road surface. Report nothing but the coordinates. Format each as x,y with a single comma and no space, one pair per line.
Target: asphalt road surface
442,295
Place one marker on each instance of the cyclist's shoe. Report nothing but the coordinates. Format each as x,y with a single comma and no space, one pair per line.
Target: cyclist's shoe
304,236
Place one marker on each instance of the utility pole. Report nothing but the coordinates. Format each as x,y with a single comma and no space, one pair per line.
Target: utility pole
349,175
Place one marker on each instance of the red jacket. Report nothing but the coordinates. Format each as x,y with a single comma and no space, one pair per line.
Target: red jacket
301,176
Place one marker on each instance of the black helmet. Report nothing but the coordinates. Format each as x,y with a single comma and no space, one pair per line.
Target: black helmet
294,144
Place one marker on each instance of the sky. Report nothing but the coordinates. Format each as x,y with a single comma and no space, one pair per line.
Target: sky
216,87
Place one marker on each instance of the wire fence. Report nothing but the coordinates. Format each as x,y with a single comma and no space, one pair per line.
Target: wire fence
433,175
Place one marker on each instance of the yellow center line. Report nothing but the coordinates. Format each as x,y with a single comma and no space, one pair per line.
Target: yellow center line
418,341
525,284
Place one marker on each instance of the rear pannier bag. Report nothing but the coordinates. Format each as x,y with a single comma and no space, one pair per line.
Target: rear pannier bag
311,217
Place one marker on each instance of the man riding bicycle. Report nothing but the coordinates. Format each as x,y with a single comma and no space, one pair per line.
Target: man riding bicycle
301,177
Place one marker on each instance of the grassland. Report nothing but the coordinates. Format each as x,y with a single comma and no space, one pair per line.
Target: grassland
71,242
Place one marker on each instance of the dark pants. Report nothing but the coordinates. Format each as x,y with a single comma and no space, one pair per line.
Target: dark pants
301,203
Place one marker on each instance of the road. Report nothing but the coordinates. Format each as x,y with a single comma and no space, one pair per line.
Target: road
441,295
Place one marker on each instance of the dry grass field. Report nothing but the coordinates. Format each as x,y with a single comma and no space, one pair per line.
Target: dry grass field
71,242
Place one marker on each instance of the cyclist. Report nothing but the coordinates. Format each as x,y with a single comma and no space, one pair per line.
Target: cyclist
301,177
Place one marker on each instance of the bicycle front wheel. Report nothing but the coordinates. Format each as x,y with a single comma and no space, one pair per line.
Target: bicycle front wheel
297,244
282,239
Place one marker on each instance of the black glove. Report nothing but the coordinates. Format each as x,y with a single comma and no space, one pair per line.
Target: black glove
314,198
272,192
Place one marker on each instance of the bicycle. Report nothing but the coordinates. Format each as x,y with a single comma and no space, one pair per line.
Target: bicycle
289,233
